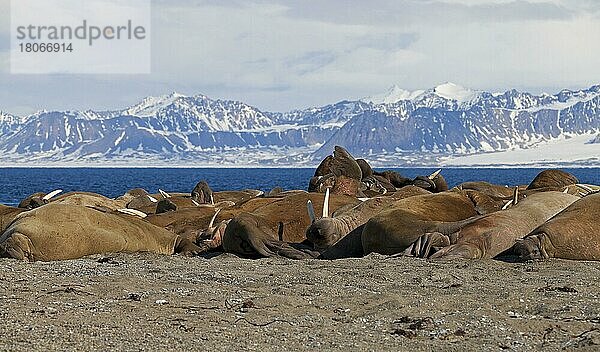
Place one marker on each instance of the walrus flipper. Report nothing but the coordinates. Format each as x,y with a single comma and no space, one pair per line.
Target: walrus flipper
17,246
428,243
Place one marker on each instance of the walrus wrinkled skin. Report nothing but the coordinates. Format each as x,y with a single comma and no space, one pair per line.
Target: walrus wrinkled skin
325,232
492,190
552,179
33,201
275,224
89,199
343,174
202,193
7,215
573,234
492,234
394,229
61,231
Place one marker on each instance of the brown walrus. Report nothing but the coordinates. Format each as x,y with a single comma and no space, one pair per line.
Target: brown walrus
271,226
552,179
325,232
62,231
574,233
7,215
394,229
492,234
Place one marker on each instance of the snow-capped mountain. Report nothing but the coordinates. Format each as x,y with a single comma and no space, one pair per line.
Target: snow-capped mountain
421,127
9,123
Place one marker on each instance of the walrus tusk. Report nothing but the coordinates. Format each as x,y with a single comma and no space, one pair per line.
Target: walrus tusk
513,201
566,190
152,199
212,199
50,195
212,221
133,212
434,175
516,196
164,194
195,203
311,211
586,188
326,204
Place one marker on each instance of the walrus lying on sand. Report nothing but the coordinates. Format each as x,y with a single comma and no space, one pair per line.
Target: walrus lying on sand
394,229
492,234
574,233
265,231
62,231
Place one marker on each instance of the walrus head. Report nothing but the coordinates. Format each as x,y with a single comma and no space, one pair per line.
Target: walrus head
165,205
434,183
344,176
212,237
38,199
202,194
395,178
531,248
322,232
365,168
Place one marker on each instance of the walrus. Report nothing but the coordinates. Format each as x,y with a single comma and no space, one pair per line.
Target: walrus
552,179
394,178
325,232
394,229
574,234
492,190
7,215
62,231
38,199
492,234
202,194
89,199
344,177
275,224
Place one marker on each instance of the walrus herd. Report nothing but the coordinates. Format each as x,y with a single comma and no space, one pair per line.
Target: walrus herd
348,210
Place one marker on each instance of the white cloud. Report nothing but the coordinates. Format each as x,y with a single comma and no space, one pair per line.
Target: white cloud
279,55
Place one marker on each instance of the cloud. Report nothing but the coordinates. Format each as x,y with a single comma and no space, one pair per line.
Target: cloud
415,12
279,55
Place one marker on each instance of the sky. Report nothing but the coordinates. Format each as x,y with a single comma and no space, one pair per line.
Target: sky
281,55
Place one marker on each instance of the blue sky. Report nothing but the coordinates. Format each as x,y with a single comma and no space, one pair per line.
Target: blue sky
281,55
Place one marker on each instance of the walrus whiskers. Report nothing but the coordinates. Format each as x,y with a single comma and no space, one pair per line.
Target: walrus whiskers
50,195
133,212
326,204
311,211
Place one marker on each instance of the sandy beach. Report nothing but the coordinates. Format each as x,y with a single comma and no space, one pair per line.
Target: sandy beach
151,302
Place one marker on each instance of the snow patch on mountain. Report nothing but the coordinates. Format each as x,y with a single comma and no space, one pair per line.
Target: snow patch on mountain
444,123
568,149
453,91
393,95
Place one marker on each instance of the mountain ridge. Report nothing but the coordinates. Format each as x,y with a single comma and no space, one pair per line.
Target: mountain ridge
444,121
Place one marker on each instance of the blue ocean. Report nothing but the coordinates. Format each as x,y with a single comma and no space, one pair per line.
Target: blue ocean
18,183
